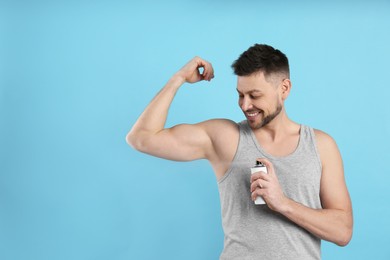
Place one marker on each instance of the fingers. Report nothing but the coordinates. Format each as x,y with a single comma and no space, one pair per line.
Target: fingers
192,72
259,188
268,164
208,71
256,193
258,184
261,181
260,175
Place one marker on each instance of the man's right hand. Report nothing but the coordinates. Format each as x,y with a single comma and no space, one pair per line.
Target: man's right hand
190,72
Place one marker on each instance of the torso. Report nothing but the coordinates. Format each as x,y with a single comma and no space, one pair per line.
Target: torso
257,231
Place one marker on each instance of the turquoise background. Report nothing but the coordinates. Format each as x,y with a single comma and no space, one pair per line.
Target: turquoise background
75,75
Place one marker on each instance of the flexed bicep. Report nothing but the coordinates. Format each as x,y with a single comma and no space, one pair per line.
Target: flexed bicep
182,142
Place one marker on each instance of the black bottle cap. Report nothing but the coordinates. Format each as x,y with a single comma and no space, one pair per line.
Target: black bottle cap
259,164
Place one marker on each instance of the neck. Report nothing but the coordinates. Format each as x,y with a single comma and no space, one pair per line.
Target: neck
278,128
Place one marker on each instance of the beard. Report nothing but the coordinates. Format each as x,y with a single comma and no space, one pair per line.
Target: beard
266,120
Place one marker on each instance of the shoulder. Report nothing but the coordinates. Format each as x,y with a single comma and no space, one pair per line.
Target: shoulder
224,135
219,126
220,121
323,139
327,146
220,130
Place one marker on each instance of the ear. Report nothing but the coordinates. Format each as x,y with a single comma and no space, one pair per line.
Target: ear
285,88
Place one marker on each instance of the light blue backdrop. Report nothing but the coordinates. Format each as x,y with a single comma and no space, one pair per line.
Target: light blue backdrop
75,75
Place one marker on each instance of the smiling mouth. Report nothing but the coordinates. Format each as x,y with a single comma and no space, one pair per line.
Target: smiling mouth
252,114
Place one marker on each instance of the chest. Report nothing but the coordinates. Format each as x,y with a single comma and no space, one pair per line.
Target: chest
281,147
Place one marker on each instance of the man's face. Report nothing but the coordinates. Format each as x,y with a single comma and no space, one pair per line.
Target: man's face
259,99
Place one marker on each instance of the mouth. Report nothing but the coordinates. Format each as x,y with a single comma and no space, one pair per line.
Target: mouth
251,115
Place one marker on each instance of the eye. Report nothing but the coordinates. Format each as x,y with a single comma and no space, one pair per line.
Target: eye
255,96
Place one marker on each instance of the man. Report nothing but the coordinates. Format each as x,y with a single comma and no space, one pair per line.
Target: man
305,192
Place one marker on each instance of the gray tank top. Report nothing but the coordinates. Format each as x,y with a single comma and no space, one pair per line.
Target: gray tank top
254,231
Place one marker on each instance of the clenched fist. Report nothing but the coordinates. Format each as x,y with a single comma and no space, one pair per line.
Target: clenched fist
191,73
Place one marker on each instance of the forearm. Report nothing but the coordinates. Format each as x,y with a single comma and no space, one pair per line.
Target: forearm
153,119
334,225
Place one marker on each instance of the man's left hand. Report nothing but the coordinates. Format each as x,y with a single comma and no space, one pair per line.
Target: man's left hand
267,186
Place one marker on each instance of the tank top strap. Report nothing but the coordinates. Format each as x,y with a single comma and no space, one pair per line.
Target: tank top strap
245,132
309,145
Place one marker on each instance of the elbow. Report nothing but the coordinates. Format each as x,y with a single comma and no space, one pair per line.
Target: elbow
139,141
130,139
346,234
343,242
134,140
345,231
345,238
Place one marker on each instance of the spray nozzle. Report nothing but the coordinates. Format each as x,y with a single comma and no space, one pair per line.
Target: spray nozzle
259,164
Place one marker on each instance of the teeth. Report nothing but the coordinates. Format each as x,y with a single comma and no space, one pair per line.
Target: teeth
252,114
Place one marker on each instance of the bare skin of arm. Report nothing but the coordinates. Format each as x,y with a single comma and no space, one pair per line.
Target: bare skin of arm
184,142
334,221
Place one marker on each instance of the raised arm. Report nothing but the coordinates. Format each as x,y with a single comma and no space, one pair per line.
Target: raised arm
182,142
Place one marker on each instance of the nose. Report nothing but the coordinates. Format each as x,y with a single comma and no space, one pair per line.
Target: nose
245,103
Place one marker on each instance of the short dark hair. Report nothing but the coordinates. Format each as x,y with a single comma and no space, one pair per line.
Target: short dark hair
261,58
